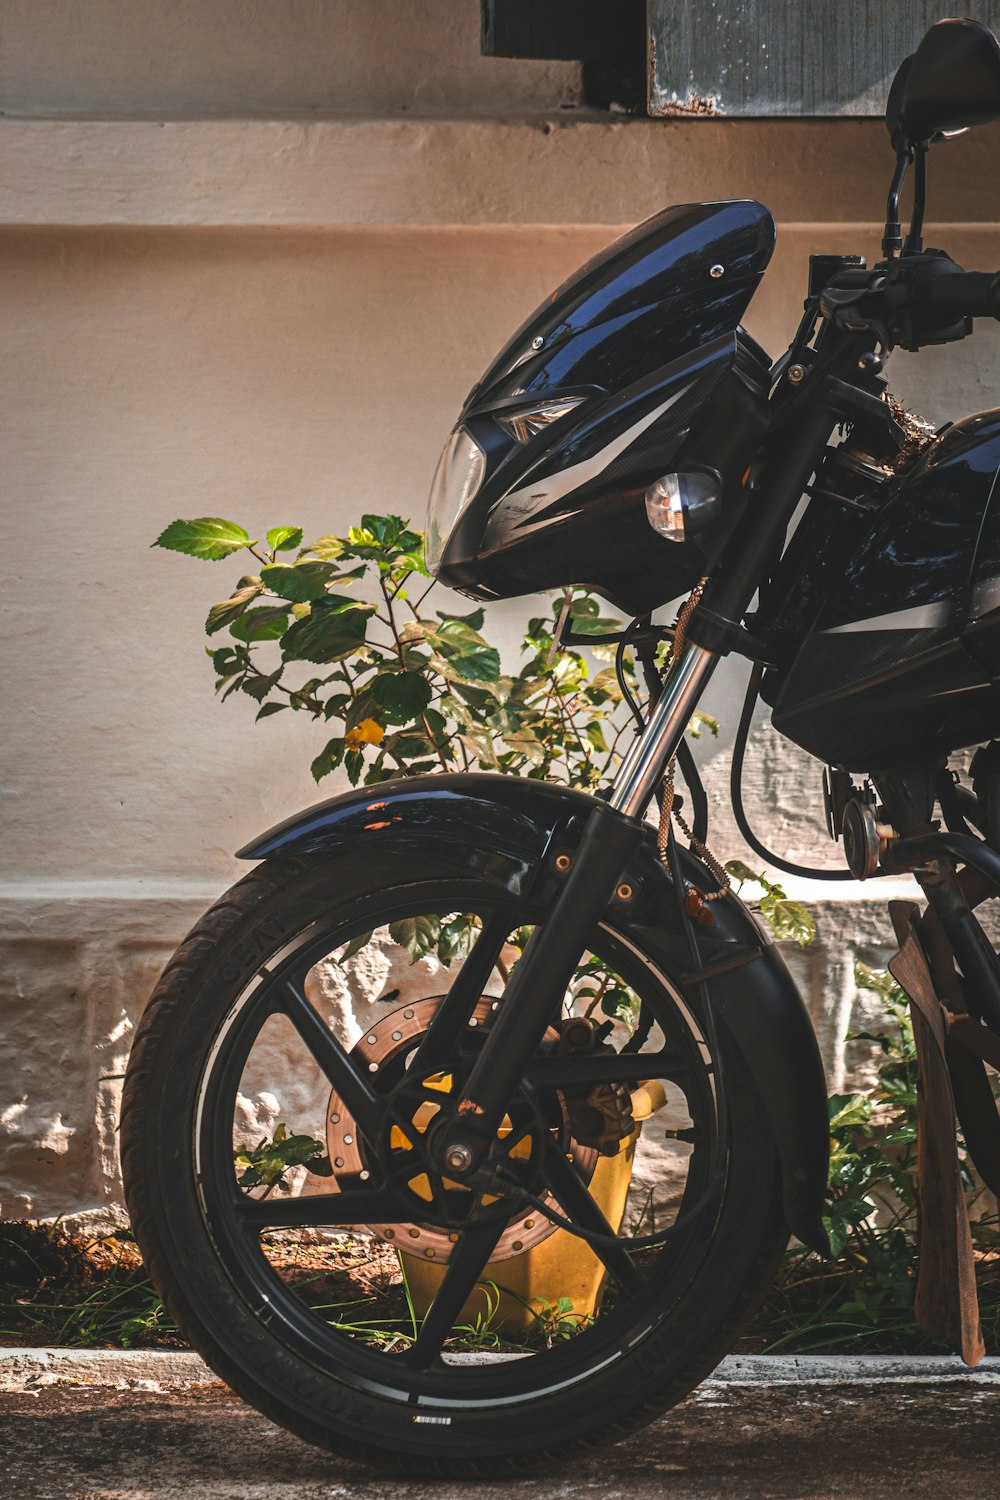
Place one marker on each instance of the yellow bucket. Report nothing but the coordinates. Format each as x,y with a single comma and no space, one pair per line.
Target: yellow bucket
523,1292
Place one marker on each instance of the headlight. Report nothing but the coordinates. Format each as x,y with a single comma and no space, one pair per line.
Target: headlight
456,481
679,505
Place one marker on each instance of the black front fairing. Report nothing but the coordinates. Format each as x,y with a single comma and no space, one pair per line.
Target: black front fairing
642,302
647,334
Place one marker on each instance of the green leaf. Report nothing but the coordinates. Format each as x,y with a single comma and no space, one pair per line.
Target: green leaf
418,935
355,945
480,743
788,919
226,660
595,734
848,1109
354,761
268,710
327,548
700,721
402,696
230,609
882,983
475,619
328,759
267,1164
527,743
284,538
456,939
268,623
259,685
332,630
209,537
383,536
581,606
413,562
301,582
464,651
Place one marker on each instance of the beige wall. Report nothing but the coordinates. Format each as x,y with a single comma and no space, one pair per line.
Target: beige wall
267,377
218,58
300,372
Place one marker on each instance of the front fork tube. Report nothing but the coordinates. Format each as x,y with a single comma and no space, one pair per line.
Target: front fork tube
642,769
534,993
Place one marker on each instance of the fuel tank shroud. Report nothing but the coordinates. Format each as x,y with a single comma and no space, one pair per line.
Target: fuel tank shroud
645,344
903,659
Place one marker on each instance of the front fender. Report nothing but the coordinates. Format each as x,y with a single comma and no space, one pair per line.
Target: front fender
507,830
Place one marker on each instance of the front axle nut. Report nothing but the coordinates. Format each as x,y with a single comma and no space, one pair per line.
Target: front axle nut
458,1158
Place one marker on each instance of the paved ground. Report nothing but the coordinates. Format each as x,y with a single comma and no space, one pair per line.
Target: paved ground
740,1442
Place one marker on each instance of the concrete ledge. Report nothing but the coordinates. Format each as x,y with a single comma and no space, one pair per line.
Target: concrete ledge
849,1369
162,1370
574,167
121,1369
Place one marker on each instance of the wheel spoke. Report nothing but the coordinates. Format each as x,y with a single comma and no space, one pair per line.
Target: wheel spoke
576,1203
468,1260
354,1206
335,1062
466,990
600,1067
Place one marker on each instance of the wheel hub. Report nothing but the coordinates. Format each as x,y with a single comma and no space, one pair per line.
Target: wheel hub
441,1206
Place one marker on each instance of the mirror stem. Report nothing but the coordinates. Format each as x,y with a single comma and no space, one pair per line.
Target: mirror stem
892,241
914,240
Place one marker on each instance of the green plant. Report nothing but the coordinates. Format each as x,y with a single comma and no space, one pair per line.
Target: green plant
408,690
557,1320
267,1163
864,1299
786,918
66,1289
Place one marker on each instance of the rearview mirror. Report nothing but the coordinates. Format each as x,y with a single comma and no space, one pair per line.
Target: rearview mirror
952,81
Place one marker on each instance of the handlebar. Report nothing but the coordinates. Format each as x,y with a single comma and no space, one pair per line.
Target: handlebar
951,294
912,301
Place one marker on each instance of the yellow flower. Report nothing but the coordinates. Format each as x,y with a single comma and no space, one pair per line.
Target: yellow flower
368,732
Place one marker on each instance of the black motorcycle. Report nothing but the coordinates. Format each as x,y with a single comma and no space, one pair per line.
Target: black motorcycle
634,438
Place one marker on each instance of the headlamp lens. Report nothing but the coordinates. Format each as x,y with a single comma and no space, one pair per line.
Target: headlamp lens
456,481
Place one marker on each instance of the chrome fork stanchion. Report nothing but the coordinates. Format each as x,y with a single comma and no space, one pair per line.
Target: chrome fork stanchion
611,836
646,762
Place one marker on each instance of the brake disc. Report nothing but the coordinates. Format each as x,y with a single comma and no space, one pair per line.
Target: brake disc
392,1037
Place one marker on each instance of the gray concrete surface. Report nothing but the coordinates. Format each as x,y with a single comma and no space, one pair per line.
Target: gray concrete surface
25,1369
741,1441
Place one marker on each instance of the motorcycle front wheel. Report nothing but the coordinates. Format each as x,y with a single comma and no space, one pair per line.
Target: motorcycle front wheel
276,1162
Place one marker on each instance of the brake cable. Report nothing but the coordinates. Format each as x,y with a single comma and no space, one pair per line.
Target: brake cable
736,793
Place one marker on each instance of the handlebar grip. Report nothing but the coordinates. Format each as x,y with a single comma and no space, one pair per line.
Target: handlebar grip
961,294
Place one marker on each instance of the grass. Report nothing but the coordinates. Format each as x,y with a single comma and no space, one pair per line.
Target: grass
78,1292
62,1289
823,1307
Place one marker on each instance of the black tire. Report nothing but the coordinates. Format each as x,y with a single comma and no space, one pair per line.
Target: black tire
516,1416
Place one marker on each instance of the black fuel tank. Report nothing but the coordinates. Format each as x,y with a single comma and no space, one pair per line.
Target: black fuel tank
903,660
